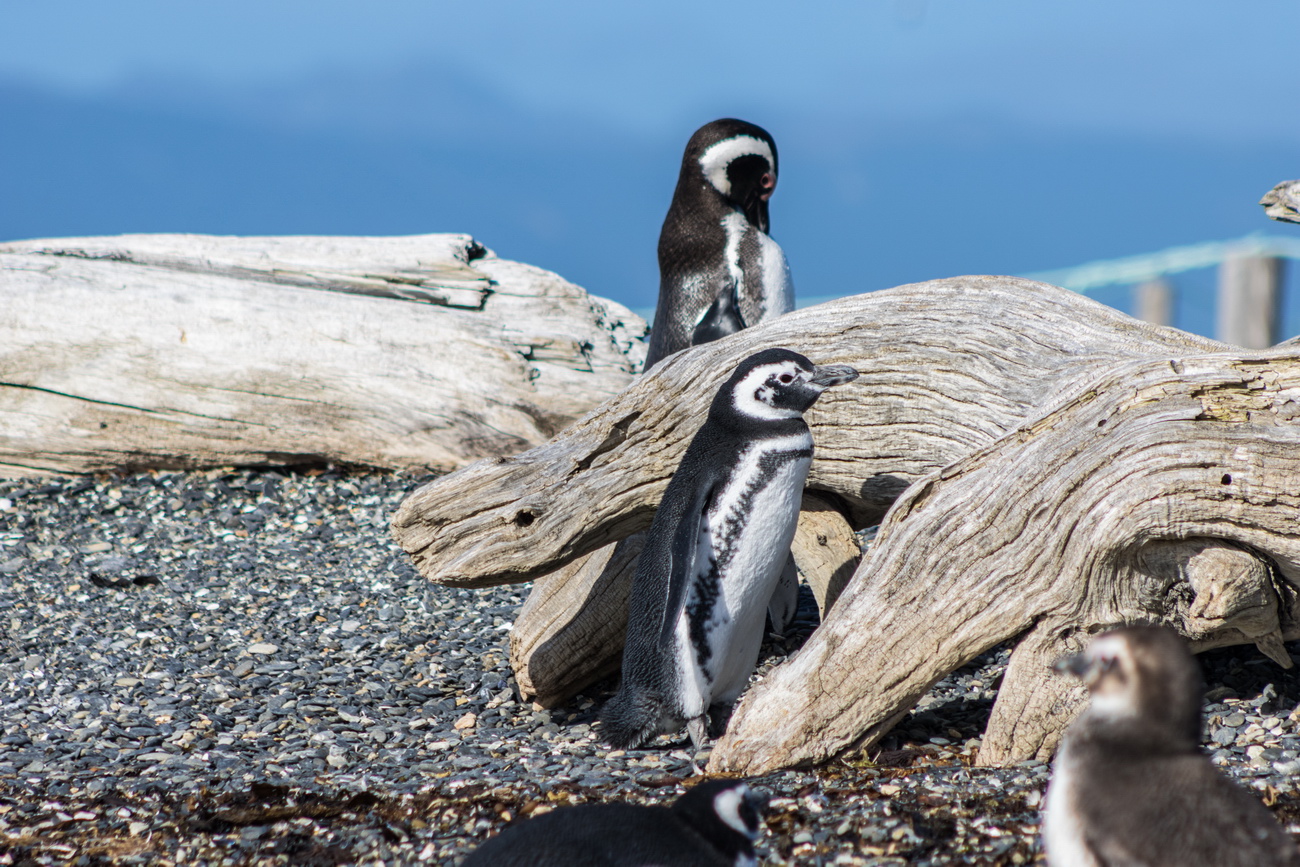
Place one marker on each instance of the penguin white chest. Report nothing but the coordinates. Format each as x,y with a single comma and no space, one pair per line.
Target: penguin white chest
1063,837
757,266
742,547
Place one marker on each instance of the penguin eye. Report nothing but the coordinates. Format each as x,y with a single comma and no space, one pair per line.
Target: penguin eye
786,378
767,181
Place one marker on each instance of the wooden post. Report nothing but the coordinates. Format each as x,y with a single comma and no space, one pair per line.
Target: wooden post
1249,296
1155,302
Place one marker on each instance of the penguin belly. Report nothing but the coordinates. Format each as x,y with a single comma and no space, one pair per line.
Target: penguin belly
1063,837
759,267
720,629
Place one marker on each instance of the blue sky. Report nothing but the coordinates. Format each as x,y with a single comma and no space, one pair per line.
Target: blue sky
919,138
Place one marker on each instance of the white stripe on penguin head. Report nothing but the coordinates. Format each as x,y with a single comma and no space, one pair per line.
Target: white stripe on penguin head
727,805
752,396
717,157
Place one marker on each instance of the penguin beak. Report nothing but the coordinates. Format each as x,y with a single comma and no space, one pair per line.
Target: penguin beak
1074,664
827,375
757,214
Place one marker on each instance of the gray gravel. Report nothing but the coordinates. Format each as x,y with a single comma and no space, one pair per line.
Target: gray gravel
240,667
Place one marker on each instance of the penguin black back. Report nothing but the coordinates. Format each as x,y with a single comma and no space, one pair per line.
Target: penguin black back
713,824
1130,784
718,269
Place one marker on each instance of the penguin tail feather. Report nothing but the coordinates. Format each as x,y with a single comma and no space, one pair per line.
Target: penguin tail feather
632,717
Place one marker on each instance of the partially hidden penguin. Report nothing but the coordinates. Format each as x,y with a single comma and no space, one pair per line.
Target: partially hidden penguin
714,824
719,271
716,549
1130,783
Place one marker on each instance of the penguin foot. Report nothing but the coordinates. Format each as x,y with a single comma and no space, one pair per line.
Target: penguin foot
698,729
632,717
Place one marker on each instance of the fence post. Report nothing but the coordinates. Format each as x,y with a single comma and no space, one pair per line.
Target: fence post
1155,302
1249,300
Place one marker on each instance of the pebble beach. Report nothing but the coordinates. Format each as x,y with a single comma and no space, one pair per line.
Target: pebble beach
240,667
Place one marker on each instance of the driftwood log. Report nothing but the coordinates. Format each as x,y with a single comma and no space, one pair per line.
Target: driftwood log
1163,491
947,367
185,351
1283,202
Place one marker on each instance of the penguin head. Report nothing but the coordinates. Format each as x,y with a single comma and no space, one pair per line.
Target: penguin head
1141,674
737,161
726,813
777,384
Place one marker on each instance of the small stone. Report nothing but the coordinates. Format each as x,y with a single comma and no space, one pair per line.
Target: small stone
465,722
262,647
137,828
1234,720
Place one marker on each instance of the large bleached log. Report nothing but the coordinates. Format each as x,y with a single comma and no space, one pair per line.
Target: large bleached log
1283,202
1162,491
947,367
186,350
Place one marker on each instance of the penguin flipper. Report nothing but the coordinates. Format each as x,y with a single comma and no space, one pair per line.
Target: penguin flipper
722,318
684,557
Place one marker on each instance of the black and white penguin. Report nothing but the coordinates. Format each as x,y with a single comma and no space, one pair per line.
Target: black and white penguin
716,550
713,824
718,269
1130,784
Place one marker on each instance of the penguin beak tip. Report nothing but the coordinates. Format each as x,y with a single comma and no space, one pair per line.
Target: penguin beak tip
1073,664
833,374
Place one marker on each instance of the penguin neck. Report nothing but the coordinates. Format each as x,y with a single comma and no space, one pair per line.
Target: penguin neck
724,415
731,844
1140,736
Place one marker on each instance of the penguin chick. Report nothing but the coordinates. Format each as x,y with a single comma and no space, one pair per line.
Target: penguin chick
718,269
716,550
1130,784
713,824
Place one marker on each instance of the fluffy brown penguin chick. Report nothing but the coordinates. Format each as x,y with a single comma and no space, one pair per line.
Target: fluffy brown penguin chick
1131,785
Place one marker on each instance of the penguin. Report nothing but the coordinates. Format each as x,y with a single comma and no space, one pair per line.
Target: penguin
1130,784
713,824
716,549
719,271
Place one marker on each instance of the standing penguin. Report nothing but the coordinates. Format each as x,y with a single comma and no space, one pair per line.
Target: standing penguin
1130,784
713,824
716,549
718,269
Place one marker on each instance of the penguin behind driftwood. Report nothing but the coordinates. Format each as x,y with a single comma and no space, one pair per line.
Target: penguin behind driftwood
1131,785
713,824
715,550
719,270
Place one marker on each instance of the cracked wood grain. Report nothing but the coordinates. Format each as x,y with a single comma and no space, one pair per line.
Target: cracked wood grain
946,368
181,351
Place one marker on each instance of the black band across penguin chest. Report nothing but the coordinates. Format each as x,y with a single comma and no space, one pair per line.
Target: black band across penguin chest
732,525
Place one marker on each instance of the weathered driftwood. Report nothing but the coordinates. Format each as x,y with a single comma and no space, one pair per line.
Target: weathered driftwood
825,549
947,367
186,350
1162,491
569,633
1283,202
